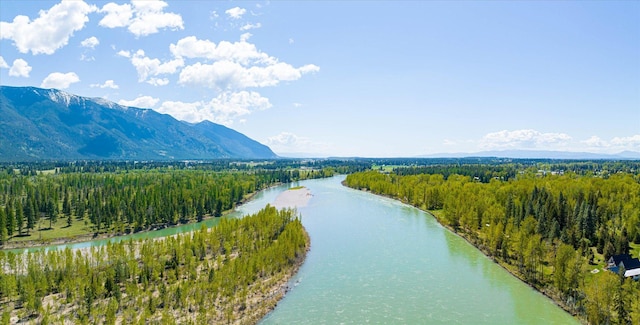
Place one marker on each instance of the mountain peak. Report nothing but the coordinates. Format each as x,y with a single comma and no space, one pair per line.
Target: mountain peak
53,124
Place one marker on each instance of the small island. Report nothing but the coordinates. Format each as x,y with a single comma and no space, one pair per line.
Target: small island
233,273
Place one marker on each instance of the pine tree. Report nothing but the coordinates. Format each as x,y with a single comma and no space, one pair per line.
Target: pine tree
11,222
19,215
3,227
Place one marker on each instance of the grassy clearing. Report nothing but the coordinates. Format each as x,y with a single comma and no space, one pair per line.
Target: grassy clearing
296,188
59,230
385,168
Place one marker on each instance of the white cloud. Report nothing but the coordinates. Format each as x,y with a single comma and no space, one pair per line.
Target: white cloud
158,81
124,53
225,75
87,58
141,19
519,139
224,109
297,105
59,80
50,31
249,26
20,68
90,42
237,65
236,13
627,143
140,102
117,15
615,145
3,63
287,142
291,41
245,37
241,52
147,67
595,142
107,84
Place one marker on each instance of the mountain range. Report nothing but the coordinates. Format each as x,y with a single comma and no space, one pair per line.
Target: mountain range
51,124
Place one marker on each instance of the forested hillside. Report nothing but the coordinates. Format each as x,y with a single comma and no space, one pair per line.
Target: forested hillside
552,229
234,272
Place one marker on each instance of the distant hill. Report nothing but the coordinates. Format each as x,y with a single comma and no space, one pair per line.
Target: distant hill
51,124
540,154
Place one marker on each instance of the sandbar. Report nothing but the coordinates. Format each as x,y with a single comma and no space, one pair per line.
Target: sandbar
293,198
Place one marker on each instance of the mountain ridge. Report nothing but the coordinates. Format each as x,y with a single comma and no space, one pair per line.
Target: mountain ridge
52,124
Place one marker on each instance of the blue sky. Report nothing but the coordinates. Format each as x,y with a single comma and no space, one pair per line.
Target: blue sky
377,79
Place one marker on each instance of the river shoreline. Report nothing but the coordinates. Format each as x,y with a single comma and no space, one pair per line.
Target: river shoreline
493,259
36,243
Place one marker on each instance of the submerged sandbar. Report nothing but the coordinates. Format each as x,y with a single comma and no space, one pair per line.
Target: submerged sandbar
296,197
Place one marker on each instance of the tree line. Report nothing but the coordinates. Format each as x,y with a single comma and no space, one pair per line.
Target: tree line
125,201
229,272
547,229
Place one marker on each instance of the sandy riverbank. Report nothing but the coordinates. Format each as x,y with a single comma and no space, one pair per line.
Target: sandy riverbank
296,197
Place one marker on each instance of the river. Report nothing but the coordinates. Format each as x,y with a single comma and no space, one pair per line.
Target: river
375,260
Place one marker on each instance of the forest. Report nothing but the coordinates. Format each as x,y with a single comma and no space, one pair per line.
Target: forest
43,201
234,272
552,224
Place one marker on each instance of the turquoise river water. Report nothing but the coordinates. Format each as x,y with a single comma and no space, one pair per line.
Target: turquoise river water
375,260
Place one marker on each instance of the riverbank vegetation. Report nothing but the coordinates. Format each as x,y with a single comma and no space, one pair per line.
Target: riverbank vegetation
232,273
551,224
42,203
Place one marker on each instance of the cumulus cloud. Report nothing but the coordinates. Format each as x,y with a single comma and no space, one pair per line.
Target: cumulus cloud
158,81
20,68
236,13
595,142
245,37
225,75
223,109
141,18
59,80
107,84
147,67
3,63
50,31
249,26
292,143
614,145
140,102
627,143
237,65
90,42
124,53
529,139
241,52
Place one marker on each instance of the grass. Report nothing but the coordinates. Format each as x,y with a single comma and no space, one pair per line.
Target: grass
385,168
42,232
296,188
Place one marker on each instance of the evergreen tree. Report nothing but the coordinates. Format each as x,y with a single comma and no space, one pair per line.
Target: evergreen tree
19,217
11,221
3,227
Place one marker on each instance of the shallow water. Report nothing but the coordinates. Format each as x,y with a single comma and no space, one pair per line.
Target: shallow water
374,260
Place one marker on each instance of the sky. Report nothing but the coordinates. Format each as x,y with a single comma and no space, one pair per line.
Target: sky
342,78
